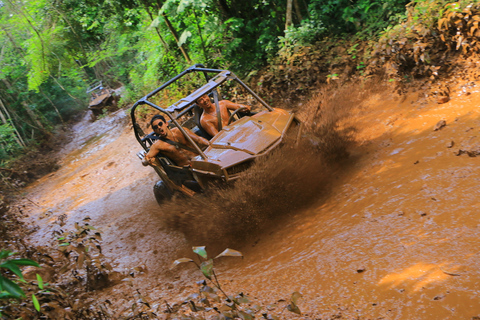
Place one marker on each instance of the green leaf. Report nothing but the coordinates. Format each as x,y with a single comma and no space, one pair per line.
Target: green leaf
155,22
12,267
5,295
295,296
183,38
36,304
213,296
229,253
207,268
94,25
181,260
245,316
25,262
40,281
242,299
11,287
207,289
6,253
200,251
182,6
293,308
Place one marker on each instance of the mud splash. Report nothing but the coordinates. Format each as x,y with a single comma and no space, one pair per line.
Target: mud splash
396,237
277,186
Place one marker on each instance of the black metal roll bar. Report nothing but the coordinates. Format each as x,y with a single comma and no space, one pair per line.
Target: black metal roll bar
185,105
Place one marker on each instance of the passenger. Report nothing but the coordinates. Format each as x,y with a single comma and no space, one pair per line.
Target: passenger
173,143
209,120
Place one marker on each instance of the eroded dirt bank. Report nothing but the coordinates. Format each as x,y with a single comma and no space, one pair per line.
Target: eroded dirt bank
396,237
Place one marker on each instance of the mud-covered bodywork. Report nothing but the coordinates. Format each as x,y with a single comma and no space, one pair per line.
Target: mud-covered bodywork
231,151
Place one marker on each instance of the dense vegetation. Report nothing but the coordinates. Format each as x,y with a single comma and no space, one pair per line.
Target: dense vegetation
52,50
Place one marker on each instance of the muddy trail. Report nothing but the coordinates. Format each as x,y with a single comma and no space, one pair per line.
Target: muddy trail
389,232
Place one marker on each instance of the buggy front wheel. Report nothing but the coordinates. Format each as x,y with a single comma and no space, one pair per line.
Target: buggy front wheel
161,192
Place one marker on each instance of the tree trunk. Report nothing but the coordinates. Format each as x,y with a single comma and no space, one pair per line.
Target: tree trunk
222,4
79,103
204,49
174,33
305,5
13,115
165,45
53,105
79,39
34,30
288,17
35,119
17,135
20,50
297,11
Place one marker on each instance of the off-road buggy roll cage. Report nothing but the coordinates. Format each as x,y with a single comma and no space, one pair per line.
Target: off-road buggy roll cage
189,180
185,105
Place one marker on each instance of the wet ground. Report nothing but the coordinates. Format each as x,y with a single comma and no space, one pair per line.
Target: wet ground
396,236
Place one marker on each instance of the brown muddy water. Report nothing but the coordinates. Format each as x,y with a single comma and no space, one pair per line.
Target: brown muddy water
393,233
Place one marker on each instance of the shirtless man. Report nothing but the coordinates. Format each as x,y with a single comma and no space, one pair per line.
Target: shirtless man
209,116
178,154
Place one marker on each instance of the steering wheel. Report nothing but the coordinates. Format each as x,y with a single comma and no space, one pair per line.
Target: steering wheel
230,119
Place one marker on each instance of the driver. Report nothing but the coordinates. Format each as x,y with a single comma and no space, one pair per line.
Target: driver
173,143
209,120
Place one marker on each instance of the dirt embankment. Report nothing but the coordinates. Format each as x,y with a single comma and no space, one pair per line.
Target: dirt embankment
390,233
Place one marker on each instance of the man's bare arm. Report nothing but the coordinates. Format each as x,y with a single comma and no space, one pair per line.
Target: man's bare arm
154,150
209,127
234,106
197,139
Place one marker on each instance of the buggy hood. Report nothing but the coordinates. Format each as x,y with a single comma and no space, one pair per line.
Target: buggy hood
246,138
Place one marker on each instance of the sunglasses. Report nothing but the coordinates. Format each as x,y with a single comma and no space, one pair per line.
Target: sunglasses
155,127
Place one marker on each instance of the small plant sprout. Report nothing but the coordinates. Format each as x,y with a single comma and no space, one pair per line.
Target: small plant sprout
353,51
231,306
206,266
8,288
36,304
292,307
41,286
333,76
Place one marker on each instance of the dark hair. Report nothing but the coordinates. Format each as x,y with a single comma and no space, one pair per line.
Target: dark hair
205,94
157,116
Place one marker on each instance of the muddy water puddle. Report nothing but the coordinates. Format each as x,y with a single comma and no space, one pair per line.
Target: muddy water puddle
102,182
397,236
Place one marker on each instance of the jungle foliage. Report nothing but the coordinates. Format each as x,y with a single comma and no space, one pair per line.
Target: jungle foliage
52,50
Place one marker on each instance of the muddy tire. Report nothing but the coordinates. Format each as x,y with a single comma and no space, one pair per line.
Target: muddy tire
161,192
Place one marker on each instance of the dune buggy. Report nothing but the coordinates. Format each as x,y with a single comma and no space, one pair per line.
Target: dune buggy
231,152
101,98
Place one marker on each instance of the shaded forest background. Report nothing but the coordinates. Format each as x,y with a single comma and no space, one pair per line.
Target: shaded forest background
51,51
